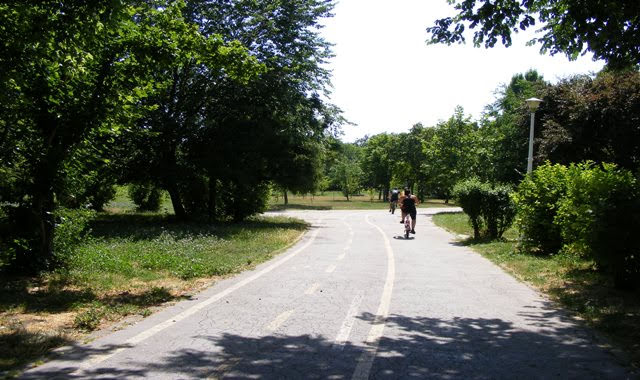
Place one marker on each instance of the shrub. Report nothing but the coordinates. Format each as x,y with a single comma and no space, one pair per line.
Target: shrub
72,226
17,238
599,217
498,210
469,195
488,206
240,201
537,199
146,197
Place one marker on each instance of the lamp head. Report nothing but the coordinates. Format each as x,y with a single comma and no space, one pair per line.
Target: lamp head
533,103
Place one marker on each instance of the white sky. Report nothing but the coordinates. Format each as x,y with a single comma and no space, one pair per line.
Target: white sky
386,78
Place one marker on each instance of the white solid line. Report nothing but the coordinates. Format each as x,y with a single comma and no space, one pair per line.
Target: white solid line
373,339
330,269
195,308
347,324
273,326
312,288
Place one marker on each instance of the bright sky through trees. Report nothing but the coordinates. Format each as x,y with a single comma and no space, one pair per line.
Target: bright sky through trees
386,78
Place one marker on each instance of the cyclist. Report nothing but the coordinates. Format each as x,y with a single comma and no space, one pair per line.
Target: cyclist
393,200
408,207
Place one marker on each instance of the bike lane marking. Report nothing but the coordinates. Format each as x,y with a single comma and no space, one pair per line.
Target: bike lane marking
347,246
311,289
136,339
365,361
349,320
279,320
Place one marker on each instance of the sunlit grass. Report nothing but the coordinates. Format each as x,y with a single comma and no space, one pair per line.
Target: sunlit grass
335,200
130,264
120,252
573,282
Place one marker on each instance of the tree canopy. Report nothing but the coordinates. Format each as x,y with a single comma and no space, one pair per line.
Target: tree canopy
610,29
212,101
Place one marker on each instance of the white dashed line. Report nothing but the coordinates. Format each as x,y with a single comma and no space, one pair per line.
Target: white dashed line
312,288
373,339
349,320
280,319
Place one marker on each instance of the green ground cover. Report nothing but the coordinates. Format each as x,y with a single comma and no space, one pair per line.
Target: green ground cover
570,281
130,263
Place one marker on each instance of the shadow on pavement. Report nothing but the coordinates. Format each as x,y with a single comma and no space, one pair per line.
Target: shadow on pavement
420,347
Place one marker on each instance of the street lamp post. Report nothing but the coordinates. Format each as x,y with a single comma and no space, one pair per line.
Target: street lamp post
533,104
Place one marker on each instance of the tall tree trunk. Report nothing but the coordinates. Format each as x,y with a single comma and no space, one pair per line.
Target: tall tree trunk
42,209
286,197
176,201
213,195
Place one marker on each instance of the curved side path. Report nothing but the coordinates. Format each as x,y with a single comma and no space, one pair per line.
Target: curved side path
353,300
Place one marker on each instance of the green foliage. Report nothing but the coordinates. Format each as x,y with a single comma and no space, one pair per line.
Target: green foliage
504,133
537,200
241,200
346,174
378,159
592,119
72,75
450,153
89,319
469,194
72,226
498,210
146,197
17,236
599,216
572,27
489,207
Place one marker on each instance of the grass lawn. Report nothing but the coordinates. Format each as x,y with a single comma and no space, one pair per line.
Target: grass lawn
130,264
334,200
571,281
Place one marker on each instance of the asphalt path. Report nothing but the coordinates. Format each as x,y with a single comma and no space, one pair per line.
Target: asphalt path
353,299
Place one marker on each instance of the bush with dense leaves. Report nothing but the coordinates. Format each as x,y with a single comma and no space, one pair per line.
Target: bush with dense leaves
146,197
489,207
537,200
469,195
242,201
16,239
599,218
72,226
498,210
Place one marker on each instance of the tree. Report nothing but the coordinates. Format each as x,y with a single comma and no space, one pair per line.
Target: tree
378,161
346,173
450,154
276,123
410,157
505,129
586,118
67,70
186,77
610,29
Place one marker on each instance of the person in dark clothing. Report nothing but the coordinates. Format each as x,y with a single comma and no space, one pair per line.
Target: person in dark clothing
408,207
393,200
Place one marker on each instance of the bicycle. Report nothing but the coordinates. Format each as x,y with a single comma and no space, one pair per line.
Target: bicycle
407,226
